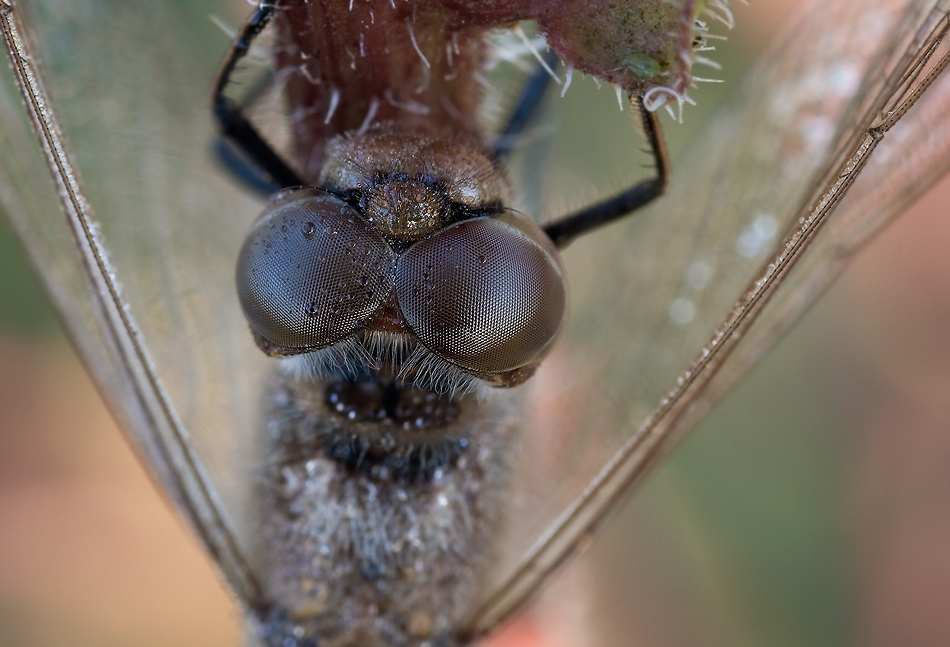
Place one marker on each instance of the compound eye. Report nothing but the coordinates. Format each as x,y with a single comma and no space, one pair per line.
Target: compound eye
486,294
312,271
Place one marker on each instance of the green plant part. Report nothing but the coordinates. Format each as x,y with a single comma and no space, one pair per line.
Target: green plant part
645,47
643,65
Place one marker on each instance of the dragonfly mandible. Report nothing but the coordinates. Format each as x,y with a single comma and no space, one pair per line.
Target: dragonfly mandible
212,232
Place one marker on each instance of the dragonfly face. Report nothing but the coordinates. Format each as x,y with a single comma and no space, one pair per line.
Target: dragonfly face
243,332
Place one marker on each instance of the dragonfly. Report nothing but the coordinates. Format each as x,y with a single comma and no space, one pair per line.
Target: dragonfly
221,461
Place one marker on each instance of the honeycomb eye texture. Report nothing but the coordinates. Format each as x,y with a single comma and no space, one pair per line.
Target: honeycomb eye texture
486,294
312,271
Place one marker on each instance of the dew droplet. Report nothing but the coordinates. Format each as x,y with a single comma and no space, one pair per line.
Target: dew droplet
682,310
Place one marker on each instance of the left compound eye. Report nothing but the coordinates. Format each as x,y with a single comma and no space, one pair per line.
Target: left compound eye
486,294
311,272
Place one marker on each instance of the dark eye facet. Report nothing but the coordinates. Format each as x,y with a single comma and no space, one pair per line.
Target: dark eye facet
312,271
486,294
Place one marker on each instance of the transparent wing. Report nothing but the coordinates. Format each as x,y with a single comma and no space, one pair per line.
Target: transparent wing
693,270
149,316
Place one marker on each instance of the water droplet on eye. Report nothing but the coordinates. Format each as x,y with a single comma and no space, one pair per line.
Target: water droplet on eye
313,309
283,228
368,295
481,259
341,284
309,229
363,280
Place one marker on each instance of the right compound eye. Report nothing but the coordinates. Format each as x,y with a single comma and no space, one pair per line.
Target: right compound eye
312,271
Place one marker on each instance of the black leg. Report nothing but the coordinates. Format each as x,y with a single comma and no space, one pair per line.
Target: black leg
231,120
528,102
241,169
566,228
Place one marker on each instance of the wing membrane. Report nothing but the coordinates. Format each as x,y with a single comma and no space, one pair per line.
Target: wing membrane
83,283
774,155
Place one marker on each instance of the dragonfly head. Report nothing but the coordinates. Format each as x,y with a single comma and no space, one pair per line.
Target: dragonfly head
406,266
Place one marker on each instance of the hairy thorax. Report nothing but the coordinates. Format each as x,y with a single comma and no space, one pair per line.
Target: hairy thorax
380,516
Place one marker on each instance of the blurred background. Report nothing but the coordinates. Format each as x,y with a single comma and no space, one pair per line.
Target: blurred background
811,508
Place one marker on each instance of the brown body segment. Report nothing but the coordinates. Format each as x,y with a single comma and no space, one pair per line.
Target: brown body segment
379,532
381,500
380,524
349,66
